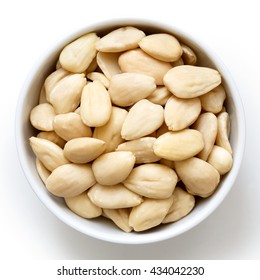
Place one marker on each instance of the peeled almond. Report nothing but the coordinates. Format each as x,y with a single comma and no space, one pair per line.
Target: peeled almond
70,180
143,118
95,106
188,81
77,56
162,46
113,168
121,39
127,88
179,145
181,113
113,197
199,177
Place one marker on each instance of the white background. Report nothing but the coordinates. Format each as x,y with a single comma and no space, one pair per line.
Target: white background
28,230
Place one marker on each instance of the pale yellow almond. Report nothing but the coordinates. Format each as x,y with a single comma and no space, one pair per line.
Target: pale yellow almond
113,197
50,154
213,101
53,137
142,149
111,131
222,138
84,149
152,180
221,159
127,88
95,105
189,57
113,168
70,180
120,217
97,76
42,96
43,172
188,81
199,177
179,145
183,203
42,116
160,95
52,80
161,46
77,56
121,39
83,206
207,125
66,94
69,126
150,213
181,113
137,61
108,63
143,118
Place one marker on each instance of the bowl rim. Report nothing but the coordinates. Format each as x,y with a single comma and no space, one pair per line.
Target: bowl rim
124,237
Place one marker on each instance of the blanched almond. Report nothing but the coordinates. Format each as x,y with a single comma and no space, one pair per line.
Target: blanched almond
207,125
77,56
52,80
142,149
120,217
113,168
143,118
69,126
149,213
181,113
213,100
113,197
137,61
82,206
95,106
127,88
183,203
179,145
65,96
84,149
111,131
50,154
222,139
108,63
152,180
121,39
188,81
221,159
70,180
199,177
42,116
161,46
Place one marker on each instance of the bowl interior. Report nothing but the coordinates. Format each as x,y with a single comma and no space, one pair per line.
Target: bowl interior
102,228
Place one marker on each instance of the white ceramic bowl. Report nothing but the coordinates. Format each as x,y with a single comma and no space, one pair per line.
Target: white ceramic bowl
101,228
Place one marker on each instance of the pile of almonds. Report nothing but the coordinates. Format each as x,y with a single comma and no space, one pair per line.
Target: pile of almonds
131,128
